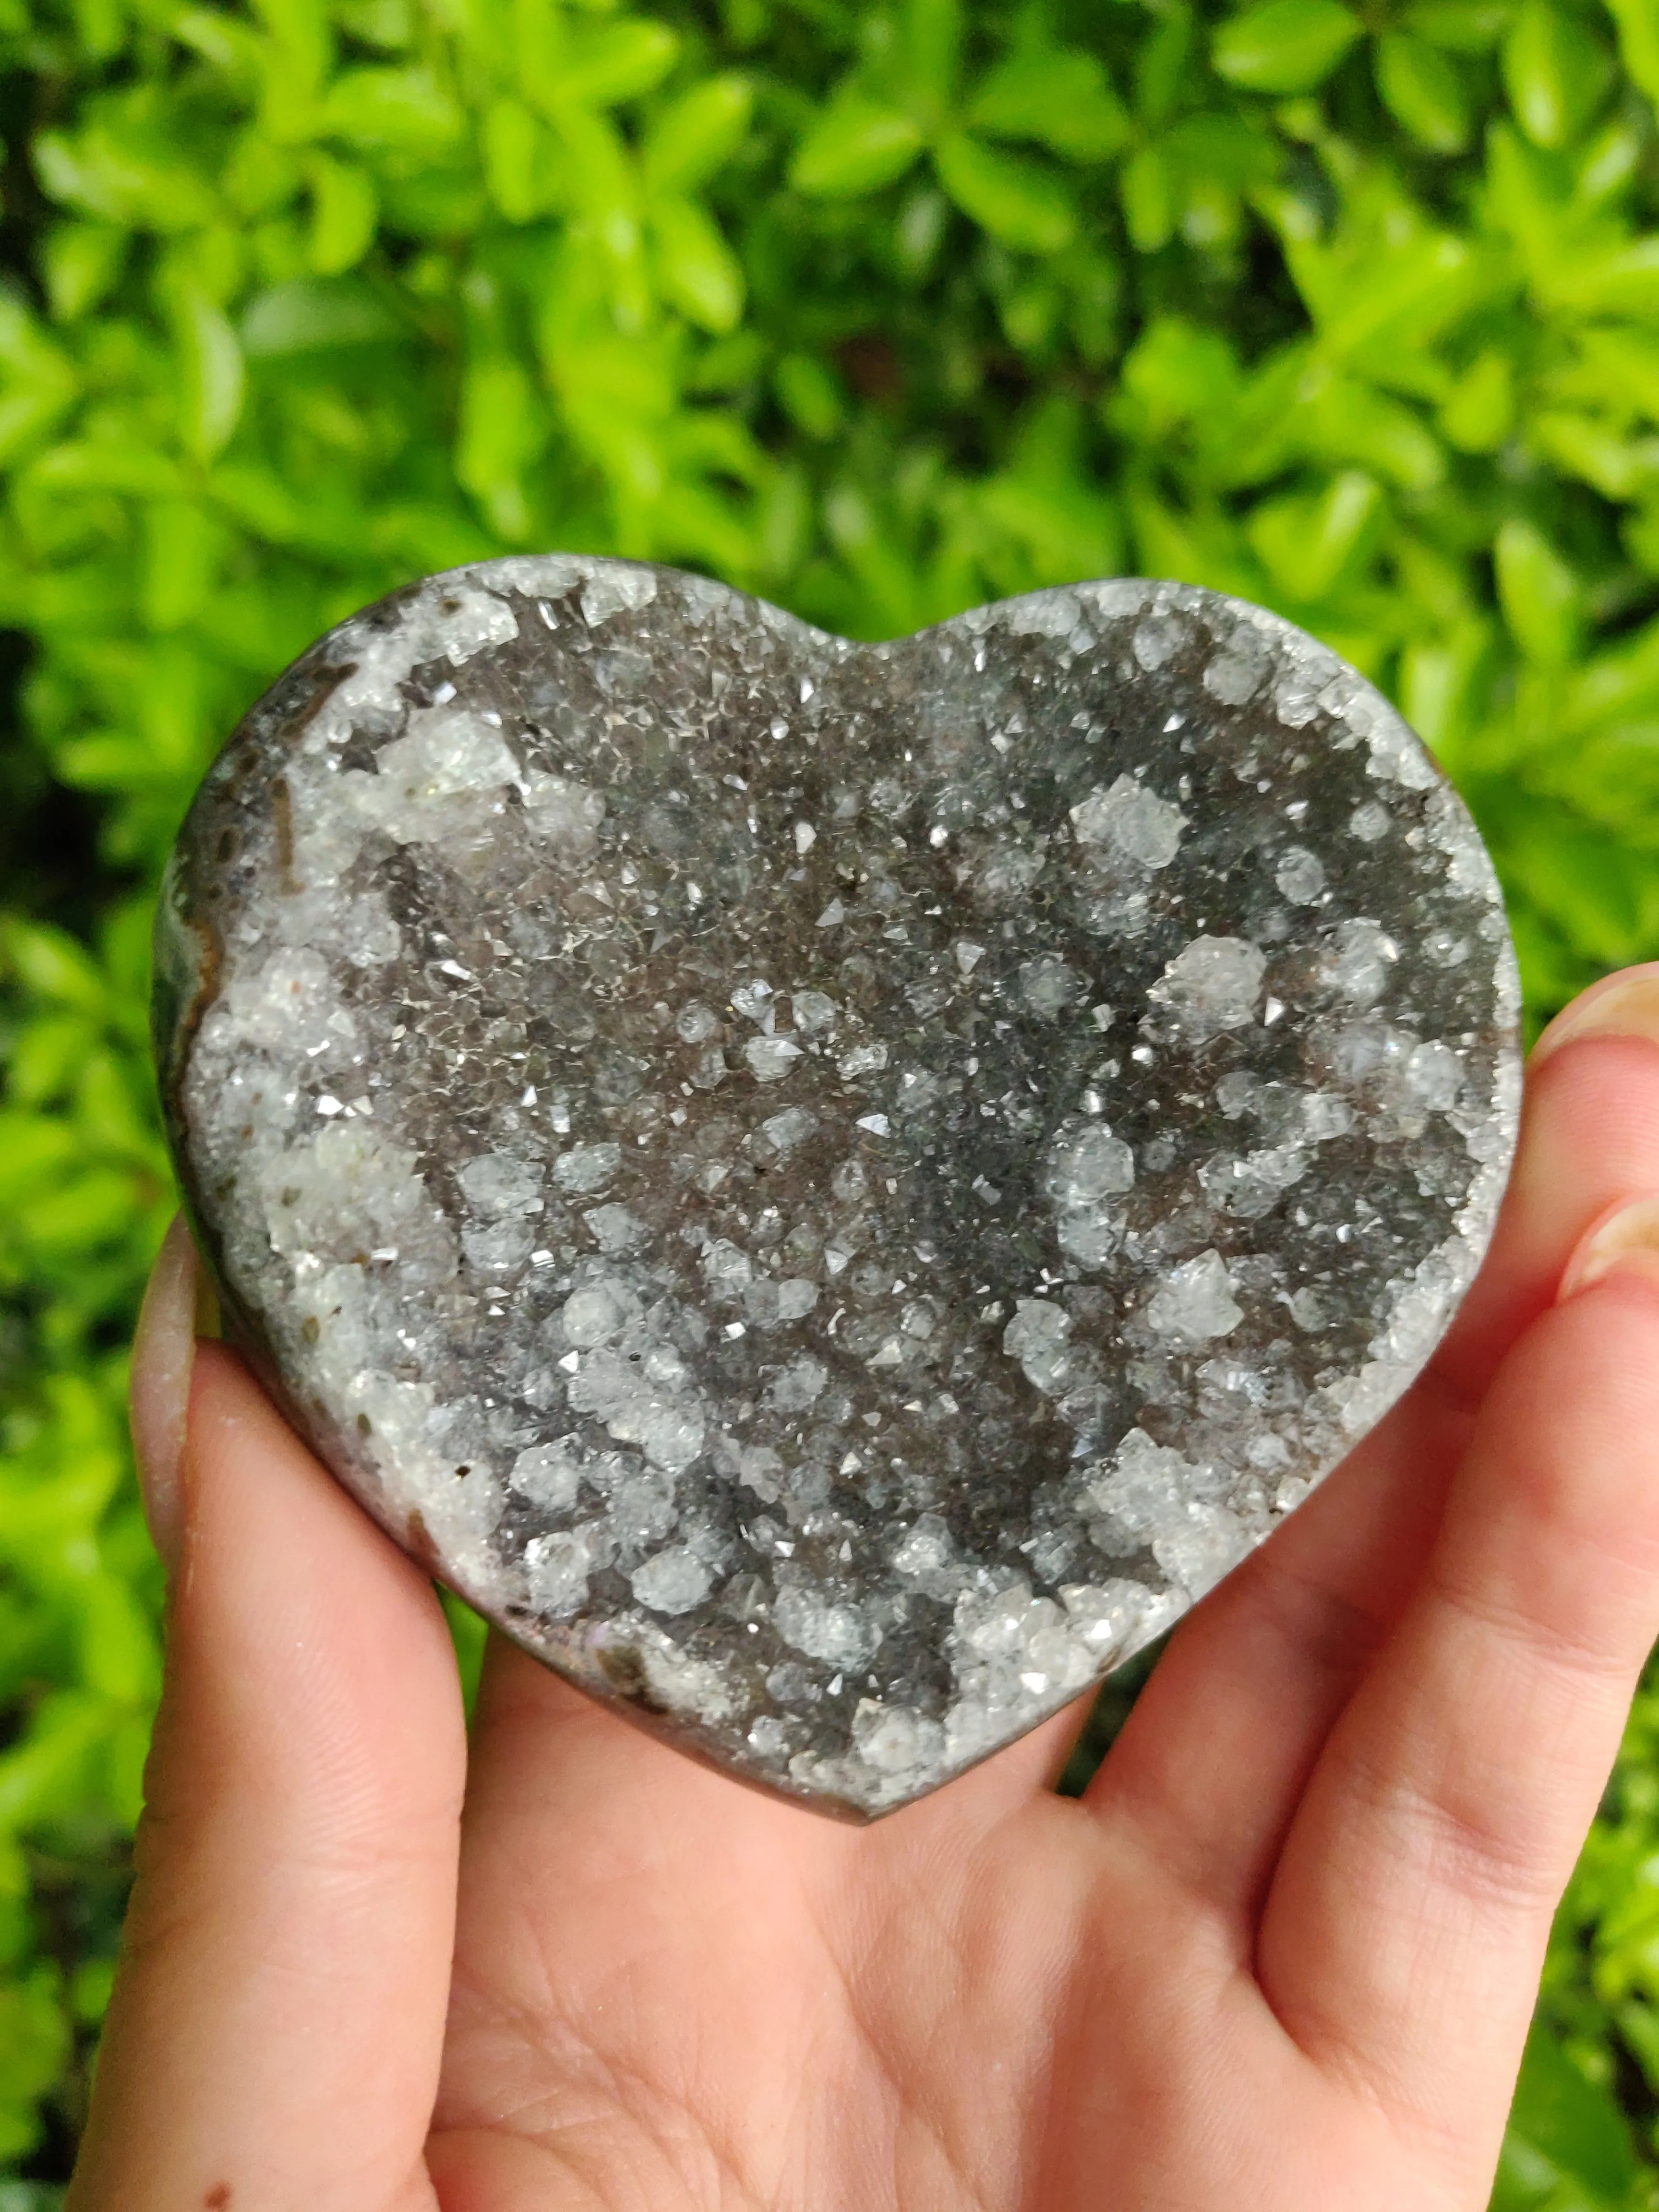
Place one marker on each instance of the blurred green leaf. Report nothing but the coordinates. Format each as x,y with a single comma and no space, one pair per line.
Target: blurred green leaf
604,63
687,141
1025,205
697,269
855,147
1541,599
343,210
397,111
1555,70
1565,2127
211,381
82,260
309,315
1055,95
1283,45
1421,88
1639,41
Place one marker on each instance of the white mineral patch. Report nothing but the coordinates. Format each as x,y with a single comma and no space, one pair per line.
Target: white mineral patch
814,1011
771,1058
893,1739
1250,1186
673,1581
1037,1337
616,1227
1157,639
587,1168
1144,1484
616,588
1043,614
498,1184
1214,984
1239,670
1300,875
559,1566
1357,966
549,1475
862,1059
1132,819
1199,1549
824,1627
1195,1301
1048,987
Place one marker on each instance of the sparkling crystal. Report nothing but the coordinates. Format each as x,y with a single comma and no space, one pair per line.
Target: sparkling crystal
832,1190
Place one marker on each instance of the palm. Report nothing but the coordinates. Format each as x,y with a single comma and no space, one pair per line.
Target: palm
1282,1954
673,1992
723,2002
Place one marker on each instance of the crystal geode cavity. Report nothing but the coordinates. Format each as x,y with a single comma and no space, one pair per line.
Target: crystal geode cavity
832,1190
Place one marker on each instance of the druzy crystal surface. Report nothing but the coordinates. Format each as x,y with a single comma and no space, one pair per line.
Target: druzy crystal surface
832,1190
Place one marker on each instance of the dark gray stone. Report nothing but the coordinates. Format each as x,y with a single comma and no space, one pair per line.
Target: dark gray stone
832,1190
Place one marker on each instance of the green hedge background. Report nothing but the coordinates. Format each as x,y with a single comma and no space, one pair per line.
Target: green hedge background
878,311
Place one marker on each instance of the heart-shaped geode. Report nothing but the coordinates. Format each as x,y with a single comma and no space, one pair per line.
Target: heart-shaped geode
832,1190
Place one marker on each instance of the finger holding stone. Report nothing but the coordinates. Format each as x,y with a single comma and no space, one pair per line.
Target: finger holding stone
1210,1766
1590,1140
1205,1777
275,2030
1402,1940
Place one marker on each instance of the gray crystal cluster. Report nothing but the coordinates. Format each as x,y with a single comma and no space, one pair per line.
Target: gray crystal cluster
832,1190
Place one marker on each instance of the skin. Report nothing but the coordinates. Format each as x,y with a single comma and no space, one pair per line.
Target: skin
1283,1954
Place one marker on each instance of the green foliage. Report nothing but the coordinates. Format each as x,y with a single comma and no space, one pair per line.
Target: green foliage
877,309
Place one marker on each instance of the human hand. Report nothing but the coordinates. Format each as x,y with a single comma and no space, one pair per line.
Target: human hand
1282,1954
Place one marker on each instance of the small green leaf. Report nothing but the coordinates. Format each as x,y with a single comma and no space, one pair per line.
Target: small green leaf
1422,90
34,2041
856,146
1018,201
1556,72
1147,192
82,261
503,428
183,546
1307,544
811,395
692,137
604,63
343,215
1558,2113
1622,280
1478,412
399,111
1283,45
51,965
1180,373
521,162
1539,595
1639,41
211,382
932,49
1462,27
697,269
122,169
1058,96
1161,61
312,313
387,24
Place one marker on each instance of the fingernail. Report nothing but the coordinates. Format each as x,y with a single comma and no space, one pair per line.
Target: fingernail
1626,1005
163,1354
1627,1240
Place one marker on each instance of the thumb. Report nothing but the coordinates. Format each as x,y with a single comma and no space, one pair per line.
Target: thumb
274,2036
